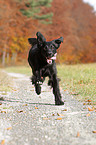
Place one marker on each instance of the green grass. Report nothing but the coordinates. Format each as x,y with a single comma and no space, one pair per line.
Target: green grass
79,80
19,69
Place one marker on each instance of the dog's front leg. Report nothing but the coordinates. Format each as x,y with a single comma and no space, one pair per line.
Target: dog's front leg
36,81
37,74
56,91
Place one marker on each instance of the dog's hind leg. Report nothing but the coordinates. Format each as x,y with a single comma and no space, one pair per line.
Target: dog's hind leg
56,91
50,82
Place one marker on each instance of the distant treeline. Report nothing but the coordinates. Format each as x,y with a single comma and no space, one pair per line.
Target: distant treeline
21,19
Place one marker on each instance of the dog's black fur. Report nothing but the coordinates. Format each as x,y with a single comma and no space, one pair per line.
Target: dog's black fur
41,59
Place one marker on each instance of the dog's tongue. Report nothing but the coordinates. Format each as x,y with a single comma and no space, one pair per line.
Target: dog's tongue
52,58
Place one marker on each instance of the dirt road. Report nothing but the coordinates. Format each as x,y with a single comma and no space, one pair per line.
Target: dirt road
28,119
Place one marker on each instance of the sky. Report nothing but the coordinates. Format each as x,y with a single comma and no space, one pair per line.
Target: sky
92,3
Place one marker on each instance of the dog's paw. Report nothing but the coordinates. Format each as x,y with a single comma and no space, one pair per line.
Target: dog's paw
38,89
39,83
59,103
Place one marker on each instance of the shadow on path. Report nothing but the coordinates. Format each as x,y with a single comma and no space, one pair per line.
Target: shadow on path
18,101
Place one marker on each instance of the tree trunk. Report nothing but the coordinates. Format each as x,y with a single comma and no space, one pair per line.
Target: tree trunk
8,58
3,58
13,59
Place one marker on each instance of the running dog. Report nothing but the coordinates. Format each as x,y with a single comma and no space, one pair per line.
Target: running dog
42,56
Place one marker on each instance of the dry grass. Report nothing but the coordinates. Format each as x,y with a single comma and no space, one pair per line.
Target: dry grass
6,82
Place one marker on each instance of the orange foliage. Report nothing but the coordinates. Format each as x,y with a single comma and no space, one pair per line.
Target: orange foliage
74,20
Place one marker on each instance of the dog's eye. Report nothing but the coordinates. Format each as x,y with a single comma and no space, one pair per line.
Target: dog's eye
52,47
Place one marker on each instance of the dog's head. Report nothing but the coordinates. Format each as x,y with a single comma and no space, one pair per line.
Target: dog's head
48,49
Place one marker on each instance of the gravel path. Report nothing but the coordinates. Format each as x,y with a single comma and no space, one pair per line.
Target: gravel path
28,119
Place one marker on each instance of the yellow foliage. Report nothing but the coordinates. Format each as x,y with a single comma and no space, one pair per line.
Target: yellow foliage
19,44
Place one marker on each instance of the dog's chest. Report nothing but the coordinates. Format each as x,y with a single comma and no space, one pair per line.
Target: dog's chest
47,71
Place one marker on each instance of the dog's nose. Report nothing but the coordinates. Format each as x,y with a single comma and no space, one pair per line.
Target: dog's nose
49,53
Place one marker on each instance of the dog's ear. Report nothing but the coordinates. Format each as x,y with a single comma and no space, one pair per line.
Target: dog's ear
40,39
57,42
32,41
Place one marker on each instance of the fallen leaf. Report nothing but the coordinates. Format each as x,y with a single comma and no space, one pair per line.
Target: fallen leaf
78,134
20,111
25,105
90,109
59,118
45,118
0,103
2,142
9,128
89,100
14,90
3,111
60,114
94,131
36,107
53,114
84,103
88,114
64,110
89,103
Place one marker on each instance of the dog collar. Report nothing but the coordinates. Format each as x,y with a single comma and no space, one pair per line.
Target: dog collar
50,60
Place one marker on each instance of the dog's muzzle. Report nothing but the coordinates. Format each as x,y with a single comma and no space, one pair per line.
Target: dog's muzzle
49,61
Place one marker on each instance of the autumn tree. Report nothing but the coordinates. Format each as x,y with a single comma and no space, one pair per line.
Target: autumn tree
72,19
76,22
13,28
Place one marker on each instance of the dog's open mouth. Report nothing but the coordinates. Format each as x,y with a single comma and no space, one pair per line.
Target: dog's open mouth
49,60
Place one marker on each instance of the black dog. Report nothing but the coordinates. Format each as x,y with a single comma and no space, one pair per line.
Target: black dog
41,58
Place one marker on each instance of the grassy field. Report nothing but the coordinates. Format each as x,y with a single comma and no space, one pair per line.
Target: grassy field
6,82
79,80
19,69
